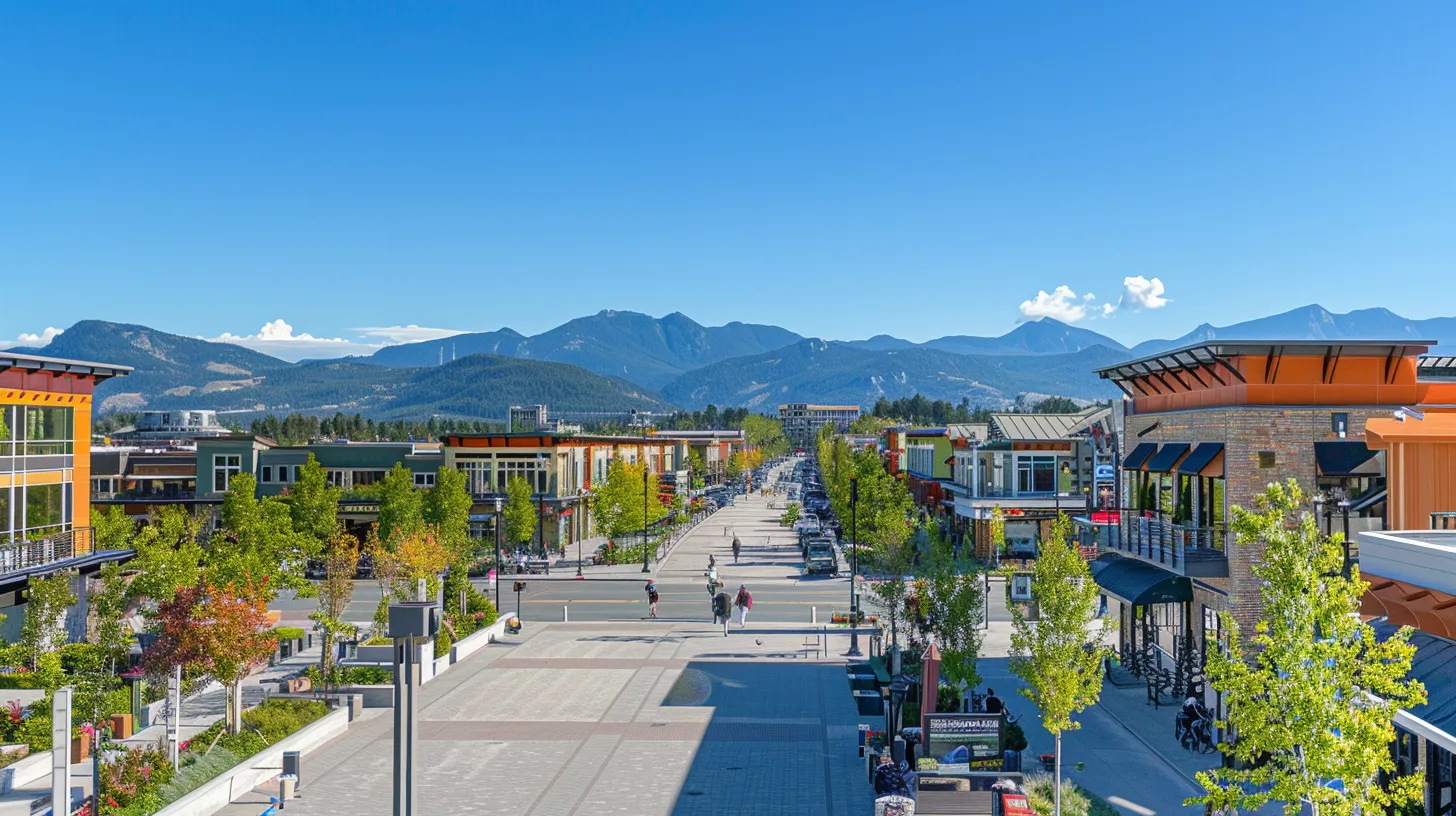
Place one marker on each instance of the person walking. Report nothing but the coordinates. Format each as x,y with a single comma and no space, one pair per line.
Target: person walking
721,607
651,600
737,547
744,602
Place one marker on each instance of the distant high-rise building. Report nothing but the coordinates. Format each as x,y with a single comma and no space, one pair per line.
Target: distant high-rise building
802,420
527,418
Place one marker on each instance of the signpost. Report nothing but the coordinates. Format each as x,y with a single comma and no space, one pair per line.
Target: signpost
961,743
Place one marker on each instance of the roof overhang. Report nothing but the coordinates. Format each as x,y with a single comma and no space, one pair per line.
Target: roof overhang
1140,583
1208,363
57,366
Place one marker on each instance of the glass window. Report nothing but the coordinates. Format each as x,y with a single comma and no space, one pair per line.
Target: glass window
1036,474
477,475
367,477
7,437
297,472
4,513
337,478
44,506
46,431
424,480
224,468
267,473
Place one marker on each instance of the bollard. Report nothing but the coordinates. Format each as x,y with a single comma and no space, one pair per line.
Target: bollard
565,614
813,615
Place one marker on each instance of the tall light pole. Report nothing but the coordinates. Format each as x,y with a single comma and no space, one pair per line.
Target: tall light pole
645,568
499,553
583,502
853,568
541,511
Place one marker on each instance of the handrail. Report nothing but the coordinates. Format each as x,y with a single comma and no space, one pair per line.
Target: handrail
35,552
1152,535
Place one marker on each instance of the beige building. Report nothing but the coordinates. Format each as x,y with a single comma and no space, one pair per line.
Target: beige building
803,420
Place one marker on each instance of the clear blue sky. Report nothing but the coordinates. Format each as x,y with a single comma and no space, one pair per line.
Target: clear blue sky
842,169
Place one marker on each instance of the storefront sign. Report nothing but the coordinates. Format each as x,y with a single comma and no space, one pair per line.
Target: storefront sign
1104,473
962,742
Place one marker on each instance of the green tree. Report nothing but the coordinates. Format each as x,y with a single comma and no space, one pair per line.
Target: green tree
866,424
1060,655
112,527
401,506
447,509
618,506
313,503
955,607
1316,700
44,629
109,607
336,590
894,562
519,512
256,545
169,554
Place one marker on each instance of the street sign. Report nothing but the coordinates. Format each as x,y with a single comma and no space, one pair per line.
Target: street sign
1104,473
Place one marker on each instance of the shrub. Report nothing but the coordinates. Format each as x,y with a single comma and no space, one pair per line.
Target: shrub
443,642
276,719
287,633
368,675
1076,801
947,698
82,658
1015,737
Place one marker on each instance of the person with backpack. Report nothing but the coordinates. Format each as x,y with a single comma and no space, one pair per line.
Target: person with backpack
651,600
737,547
744,602
721,612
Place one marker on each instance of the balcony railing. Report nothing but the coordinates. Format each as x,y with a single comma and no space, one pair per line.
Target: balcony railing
1185,548
1444,520
40,550
1011,493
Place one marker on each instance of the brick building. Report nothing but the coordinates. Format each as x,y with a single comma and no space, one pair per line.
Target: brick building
1207,428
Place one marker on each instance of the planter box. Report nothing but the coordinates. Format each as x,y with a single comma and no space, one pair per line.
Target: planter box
372,696
255,770
121,726
478,640
374,654
80,748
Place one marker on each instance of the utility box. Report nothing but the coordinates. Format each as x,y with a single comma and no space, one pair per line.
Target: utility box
292,763
414,619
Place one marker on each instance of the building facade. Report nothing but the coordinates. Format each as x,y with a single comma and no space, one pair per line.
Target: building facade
1207,428
803,420
45,478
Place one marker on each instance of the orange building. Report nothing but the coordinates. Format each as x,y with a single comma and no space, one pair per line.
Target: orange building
1420,450
45,471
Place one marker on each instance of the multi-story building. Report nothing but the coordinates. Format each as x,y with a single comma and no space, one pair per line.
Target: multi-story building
526,418
172,426
713,448
803,420
1030,467
136,475
1207,427
561,469
45,478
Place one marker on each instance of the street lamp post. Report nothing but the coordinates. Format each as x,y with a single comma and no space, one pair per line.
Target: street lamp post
584,502
499,553
645,568
853,568
541,512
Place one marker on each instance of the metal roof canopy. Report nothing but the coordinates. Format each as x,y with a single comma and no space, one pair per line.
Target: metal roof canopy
1211,359
1140,583
1433,367
1347,457
56,366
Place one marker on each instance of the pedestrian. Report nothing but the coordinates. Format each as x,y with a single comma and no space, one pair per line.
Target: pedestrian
721,613
712,562
744,602
737,546
651,600
993,703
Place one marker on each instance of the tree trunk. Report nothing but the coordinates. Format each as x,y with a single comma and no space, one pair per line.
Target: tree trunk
1057,777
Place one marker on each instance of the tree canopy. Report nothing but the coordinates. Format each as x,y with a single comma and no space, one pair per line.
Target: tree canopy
617,506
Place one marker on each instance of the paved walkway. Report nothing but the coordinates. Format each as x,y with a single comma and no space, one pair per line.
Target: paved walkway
589,718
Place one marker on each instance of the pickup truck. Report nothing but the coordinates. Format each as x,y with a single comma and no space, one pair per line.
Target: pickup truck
821,559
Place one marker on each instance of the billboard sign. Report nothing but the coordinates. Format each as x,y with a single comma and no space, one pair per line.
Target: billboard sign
965,742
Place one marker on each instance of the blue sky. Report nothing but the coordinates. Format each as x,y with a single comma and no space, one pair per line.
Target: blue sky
841,169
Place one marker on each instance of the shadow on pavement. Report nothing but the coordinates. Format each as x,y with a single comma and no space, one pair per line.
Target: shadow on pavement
782,739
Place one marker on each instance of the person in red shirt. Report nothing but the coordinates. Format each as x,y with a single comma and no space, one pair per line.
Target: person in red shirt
744,602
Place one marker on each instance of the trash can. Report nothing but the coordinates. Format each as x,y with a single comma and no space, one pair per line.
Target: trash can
292,764
287,787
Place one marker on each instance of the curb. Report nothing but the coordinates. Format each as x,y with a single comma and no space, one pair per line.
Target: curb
1151,749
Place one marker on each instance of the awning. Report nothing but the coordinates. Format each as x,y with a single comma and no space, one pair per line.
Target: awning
1139,455
1434,665
1366,501
1348,458
1205,457
1138,582
1166,457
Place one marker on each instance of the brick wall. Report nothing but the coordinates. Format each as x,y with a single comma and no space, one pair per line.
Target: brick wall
1290,433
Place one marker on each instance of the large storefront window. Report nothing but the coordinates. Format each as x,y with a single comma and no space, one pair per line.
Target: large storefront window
1036,474
45,506
27,430
525,467
477,476
4,515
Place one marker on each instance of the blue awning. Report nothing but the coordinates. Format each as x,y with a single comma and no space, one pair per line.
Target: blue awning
1346,458
1201,457
1166,457
1139,455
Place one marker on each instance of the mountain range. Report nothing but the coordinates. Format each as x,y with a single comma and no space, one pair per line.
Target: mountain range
619,360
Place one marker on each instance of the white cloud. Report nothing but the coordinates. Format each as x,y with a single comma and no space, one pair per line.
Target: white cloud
28,340
277,338
407,334
1140,293
1064,304
1061,303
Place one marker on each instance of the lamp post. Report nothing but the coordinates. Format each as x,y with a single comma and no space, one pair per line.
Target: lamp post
853,568
645,568
584,502
541,512
499,554
1345,515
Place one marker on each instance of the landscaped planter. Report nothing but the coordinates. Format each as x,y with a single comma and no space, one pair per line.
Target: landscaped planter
258,768
25,772
382,653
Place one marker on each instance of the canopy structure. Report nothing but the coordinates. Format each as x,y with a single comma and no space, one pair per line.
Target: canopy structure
1167,457
1140,583
1346,458
1139,456
1205,460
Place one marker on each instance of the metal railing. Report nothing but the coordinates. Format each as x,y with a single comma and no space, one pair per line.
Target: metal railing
1443,520
1012,493
1152,535
40,550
